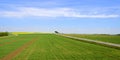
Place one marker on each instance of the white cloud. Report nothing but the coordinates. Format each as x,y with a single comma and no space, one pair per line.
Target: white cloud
55,12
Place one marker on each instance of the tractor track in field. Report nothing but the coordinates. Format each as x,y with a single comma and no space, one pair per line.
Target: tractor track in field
11,55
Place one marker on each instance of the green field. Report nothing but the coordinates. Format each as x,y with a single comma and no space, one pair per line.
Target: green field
54,47
105,38
9,44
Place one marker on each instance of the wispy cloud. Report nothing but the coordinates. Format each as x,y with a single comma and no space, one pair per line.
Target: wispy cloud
21,12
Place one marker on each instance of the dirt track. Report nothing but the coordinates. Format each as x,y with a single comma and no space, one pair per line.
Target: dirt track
17,51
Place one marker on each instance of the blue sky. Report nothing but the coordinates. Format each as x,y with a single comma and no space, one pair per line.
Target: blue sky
66,16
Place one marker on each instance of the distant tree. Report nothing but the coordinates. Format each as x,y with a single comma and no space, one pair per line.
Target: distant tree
56,32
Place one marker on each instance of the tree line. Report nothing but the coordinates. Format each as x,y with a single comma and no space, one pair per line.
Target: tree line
4,34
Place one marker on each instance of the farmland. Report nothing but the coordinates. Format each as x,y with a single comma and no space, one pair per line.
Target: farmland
54,47
104,38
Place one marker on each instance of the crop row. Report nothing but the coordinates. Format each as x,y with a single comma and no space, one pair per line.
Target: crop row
53,47
9,44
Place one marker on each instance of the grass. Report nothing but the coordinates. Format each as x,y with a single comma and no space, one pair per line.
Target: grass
53,47
9,44
105,38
